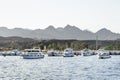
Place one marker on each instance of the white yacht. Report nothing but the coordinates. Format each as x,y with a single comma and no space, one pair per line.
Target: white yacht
103,55
32,54
68,53
86,52
54,53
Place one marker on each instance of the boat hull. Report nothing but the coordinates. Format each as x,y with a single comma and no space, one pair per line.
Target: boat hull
33,57
84,54
54,54
68,55
104,57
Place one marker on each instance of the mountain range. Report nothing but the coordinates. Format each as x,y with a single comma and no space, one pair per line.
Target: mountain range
68,32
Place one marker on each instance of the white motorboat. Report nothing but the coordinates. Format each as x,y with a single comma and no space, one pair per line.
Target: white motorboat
32,54
68,53
86,52
54,53
103,55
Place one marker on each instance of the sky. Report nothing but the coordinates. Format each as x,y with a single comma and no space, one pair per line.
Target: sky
39,14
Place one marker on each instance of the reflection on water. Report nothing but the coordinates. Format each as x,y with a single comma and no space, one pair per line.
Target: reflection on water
60,68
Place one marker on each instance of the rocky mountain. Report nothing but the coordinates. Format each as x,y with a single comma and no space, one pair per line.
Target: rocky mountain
68,32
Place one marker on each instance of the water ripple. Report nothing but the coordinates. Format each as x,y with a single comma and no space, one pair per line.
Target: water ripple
59,68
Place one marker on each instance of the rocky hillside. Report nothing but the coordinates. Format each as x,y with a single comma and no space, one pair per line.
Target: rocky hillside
68,32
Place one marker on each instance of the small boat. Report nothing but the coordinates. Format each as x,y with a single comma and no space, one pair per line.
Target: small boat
32,54
54,53
103,55
77,53
86,52
11,53
68,53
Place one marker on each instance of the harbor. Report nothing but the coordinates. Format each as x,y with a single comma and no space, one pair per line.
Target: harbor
68,52
59,39
52,64
77,62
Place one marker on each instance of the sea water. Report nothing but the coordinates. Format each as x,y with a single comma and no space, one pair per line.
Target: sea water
60,68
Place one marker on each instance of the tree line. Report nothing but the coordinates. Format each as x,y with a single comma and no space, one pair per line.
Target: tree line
59,44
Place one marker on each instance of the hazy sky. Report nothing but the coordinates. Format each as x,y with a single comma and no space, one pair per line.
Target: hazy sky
85,14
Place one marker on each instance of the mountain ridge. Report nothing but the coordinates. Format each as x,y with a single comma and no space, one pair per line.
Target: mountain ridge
68,32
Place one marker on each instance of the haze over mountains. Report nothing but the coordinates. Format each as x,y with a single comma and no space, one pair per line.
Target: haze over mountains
68,32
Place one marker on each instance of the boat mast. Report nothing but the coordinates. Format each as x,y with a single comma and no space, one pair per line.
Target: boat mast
96,42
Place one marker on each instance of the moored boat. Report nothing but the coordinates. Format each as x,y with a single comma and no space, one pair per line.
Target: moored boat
86,52
54,53
68,53
11,53
103,55
32,54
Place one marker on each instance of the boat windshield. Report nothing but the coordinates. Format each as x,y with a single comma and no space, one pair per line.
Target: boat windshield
32,50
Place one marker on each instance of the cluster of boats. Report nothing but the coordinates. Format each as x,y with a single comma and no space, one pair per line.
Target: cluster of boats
10,53
37,53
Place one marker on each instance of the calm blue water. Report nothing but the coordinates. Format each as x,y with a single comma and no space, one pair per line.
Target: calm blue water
59,68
